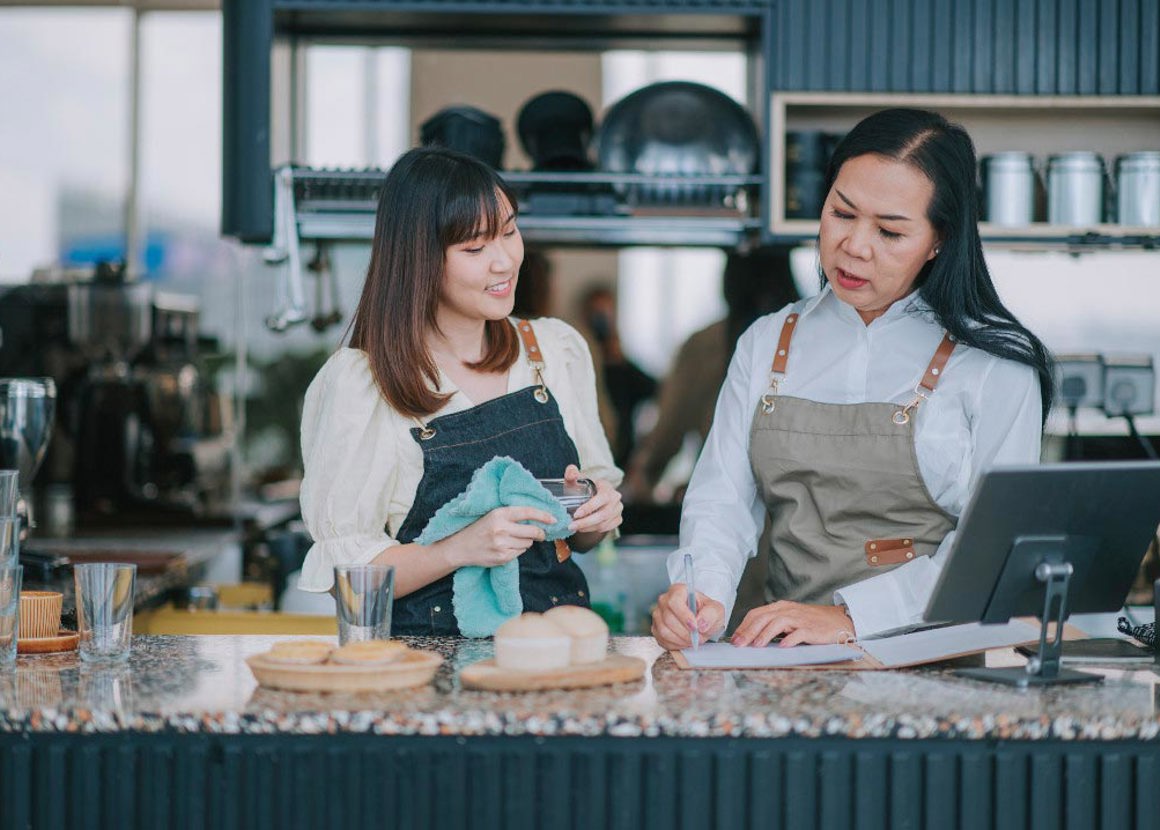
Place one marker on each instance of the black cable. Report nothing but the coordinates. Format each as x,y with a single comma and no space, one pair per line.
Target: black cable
1149,450
1074,448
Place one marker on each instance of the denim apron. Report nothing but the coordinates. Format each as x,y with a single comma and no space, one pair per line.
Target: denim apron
525,425
843,493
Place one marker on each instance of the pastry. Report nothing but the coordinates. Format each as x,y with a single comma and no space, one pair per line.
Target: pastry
304,652
531,643
588,632
369,653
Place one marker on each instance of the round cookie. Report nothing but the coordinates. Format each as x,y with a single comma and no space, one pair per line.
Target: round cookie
369,653
587,630
531,643
302,652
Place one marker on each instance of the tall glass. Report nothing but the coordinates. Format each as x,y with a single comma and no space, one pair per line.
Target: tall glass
10,576
104,593
363,598
9,492
9,540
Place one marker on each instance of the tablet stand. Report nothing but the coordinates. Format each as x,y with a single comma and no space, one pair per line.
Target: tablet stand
1054,572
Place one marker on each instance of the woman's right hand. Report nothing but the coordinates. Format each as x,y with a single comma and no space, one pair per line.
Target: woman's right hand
496,538
673,622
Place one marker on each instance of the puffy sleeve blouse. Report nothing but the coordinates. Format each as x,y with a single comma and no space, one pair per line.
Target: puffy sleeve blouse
362,467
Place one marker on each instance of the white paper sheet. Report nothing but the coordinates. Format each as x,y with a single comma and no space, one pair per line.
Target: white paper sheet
939,643
724,655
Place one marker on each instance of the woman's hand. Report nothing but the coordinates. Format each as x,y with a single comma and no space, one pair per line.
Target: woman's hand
673,622
599,514
798,622
496,538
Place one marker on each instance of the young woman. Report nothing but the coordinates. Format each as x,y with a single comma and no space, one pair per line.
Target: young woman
853,424
436,382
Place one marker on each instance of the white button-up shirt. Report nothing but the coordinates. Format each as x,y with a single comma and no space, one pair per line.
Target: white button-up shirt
985,411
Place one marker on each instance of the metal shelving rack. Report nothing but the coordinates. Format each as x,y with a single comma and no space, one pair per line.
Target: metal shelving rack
331,205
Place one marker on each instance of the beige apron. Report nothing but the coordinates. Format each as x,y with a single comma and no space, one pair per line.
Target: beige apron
844,497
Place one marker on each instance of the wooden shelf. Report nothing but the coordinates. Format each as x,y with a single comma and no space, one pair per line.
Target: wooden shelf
1041,125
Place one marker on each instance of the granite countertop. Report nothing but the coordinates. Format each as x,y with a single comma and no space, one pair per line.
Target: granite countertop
202,685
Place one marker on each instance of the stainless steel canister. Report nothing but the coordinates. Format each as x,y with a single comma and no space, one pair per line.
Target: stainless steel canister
1009,188
1138,188
1075,189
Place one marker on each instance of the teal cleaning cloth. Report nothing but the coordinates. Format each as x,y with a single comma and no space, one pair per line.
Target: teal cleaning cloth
484,598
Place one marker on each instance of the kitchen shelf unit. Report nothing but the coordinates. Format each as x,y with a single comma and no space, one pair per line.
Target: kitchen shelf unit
1041,125
260,113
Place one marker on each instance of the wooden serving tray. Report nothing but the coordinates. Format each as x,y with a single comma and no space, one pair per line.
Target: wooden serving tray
65,640
616,668
412,669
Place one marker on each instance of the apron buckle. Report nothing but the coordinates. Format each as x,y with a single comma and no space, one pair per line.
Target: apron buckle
767,404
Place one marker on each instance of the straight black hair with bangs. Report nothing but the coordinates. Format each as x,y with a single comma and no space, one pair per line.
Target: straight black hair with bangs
432,198
955,283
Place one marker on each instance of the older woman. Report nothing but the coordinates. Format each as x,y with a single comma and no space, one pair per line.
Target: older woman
853,424
437,381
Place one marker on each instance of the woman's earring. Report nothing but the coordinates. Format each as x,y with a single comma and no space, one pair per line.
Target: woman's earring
936,250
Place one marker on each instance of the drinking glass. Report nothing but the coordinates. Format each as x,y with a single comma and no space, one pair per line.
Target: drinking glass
10,576
9,540
104,595
9,492
363,597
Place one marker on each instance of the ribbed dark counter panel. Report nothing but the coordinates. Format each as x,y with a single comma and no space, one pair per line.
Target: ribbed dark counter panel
565,783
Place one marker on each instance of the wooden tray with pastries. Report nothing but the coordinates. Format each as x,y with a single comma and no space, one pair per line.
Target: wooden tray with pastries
489,677
564,648
318,666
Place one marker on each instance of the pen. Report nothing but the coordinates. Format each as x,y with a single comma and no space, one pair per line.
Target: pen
692,596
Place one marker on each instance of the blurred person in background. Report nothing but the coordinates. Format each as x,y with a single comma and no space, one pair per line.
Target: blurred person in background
628,385
755,283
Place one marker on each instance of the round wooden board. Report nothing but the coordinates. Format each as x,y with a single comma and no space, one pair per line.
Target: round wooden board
412,669
64,641
616,668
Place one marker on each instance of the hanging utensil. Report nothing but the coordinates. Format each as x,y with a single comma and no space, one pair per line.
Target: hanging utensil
290,309
326,285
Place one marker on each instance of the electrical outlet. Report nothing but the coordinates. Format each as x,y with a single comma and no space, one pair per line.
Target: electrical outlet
1129,385
1079,380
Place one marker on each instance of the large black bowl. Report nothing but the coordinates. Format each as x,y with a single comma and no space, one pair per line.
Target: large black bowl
678,128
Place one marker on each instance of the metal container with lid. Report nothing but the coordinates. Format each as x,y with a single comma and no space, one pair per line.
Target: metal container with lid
1008,188
1138,188
1075,189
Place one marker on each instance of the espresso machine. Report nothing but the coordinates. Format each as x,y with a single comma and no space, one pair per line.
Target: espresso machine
137,437
27,410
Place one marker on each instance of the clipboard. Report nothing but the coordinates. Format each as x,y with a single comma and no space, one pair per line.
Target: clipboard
907,650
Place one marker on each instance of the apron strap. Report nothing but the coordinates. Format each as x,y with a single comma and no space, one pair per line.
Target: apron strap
535,357
930,378
937,363
535,360
781,357
780,361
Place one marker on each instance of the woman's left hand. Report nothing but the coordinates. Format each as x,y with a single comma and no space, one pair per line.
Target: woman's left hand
796,622
599,514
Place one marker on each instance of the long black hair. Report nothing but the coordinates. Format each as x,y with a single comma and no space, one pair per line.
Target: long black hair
955,283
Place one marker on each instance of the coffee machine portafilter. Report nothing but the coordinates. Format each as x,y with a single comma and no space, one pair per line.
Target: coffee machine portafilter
27,410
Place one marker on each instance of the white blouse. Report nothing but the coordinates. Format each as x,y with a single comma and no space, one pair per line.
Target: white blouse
362,467
986,411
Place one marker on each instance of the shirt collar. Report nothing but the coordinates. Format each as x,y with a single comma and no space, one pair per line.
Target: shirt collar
911,304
